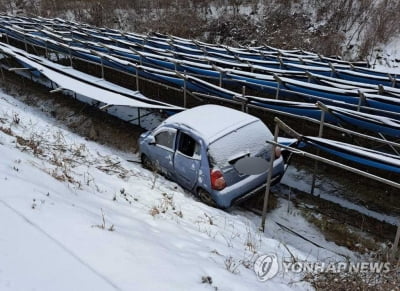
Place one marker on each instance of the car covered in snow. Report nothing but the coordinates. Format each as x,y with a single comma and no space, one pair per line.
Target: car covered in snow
199,148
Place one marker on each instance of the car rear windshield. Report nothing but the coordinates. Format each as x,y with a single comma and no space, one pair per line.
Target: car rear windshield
250,139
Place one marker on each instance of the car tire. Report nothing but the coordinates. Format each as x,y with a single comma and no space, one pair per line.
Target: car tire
147,164
206,198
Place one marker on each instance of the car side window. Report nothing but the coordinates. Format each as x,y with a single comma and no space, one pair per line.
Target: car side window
166,138
188,146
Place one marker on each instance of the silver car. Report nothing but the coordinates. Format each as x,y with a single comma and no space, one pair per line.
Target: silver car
199,148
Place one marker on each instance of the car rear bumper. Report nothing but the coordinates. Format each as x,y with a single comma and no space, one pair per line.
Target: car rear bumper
247,187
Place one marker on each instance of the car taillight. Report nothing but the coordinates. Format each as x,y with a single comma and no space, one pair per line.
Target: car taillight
278,152
217,180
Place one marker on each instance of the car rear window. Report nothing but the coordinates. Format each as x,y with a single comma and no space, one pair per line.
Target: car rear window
250,139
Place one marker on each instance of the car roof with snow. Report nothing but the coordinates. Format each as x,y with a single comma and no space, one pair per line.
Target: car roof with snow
211,121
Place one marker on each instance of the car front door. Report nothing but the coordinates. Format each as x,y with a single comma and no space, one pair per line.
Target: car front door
187,160
163,150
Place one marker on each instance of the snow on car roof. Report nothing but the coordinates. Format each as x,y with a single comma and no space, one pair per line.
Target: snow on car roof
211,121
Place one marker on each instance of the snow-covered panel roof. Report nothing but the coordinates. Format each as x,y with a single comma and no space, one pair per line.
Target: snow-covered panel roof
284,102
309,67
369,117
211,121
365,75
362,151
394,100
87,89
323,78
324,64
158,56
277,71
349,87
231,72
317,87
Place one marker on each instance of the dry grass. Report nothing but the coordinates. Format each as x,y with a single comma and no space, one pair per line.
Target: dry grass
166,205
103,223
7,130
356,281
33,144
371,249
232,265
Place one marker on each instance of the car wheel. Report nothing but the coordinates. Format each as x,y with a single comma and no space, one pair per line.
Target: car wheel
147,164
206,198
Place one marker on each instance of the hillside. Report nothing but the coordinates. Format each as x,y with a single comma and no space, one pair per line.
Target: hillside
76,215
351,29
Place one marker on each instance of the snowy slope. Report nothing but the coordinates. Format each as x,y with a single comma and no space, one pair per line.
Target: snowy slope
55,186
386,57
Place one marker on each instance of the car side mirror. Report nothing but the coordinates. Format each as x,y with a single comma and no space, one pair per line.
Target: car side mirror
151,140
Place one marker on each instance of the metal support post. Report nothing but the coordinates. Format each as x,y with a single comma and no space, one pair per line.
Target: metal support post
271,167
320,133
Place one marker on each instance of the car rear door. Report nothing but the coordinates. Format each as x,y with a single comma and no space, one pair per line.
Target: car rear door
187,160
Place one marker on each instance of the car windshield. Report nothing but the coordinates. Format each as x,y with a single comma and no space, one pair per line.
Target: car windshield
250,139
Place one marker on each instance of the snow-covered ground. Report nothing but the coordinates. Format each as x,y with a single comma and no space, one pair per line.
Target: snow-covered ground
75,215
386,57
